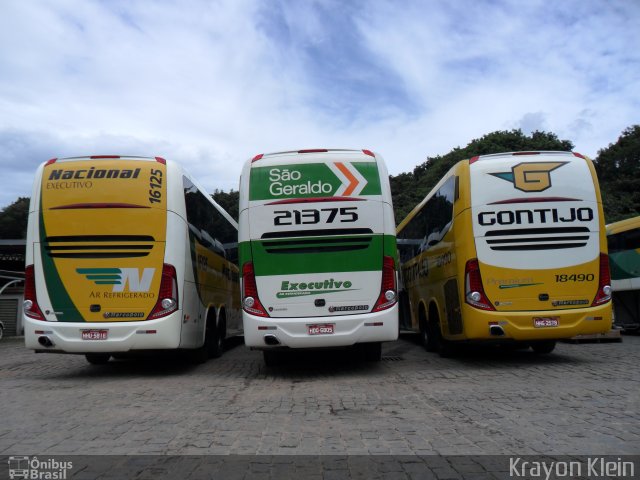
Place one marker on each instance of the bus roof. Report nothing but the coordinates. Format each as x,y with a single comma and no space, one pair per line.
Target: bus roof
311,150
524,153
623,225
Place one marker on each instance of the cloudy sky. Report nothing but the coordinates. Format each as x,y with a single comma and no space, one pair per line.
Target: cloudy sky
210,83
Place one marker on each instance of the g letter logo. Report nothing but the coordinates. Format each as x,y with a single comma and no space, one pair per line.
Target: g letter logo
530,177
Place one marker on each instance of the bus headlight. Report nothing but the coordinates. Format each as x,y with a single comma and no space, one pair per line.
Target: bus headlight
249,302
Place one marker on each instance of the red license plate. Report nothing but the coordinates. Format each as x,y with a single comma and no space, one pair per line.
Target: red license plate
543,322
95,334
324,329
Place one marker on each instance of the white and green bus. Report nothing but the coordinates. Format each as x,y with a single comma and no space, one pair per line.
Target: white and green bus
317,251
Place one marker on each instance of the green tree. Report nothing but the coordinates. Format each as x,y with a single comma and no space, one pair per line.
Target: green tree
228,201
13,220
618,168
408,189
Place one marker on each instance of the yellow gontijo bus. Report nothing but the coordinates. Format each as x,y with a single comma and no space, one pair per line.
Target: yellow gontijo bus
126,254
507,248
623,238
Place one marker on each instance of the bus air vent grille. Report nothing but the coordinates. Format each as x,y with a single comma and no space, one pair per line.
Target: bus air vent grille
532,239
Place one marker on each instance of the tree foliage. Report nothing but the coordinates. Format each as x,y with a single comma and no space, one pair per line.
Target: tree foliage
617,166
228,201
408,189
13,220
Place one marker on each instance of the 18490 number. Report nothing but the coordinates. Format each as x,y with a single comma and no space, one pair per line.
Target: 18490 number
576,277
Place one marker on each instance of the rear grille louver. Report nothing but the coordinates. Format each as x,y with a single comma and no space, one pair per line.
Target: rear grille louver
339,240
534,239
99,246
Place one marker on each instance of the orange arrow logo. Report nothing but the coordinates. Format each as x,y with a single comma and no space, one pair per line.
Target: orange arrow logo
353,181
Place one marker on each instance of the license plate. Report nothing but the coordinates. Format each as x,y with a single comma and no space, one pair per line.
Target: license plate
543,322
324,329
95,334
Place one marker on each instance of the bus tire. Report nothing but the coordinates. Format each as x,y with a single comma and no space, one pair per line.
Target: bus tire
444,347
216,346
97,358
543,346
427,333
373,352
271,358
200,355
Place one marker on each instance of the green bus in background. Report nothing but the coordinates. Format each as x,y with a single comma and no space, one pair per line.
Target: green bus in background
623,238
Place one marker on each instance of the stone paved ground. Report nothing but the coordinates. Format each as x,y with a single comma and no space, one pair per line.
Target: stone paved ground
583,399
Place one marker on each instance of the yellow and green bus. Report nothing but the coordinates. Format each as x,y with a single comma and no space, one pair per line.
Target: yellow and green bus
507,248
127,254
623,238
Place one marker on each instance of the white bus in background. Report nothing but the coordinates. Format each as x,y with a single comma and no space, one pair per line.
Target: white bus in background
127,254
317,251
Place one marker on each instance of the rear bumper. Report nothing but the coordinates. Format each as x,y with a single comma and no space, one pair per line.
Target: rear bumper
66,337
519,326
348,330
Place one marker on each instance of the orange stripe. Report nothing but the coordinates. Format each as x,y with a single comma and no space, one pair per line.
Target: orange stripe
353,181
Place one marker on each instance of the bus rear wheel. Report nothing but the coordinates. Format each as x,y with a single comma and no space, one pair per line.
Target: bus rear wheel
543,346
216,343
372,352
271,357
97,358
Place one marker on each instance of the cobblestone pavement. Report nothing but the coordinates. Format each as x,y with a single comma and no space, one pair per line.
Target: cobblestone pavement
583,399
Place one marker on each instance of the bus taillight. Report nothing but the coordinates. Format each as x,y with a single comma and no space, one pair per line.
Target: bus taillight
30,306
168,296
473,290
604,286
250,301
388,296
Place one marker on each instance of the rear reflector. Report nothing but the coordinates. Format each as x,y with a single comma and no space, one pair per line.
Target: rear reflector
30,307
250,301
473,290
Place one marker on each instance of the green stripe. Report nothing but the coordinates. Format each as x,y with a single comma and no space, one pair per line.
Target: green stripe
367,259
58,295
91,271
351,261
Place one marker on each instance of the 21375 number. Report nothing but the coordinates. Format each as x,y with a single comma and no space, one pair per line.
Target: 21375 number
311,216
